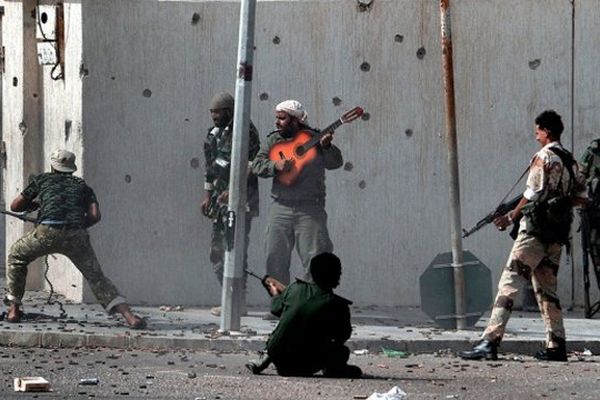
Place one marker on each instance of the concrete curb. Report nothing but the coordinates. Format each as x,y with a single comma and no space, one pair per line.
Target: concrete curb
16,338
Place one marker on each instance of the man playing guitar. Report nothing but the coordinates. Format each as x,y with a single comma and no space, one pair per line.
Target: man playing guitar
297,216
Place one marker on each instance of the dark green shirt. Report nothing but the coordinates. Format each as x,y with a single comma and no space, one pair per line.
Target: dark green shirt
63,197
311,318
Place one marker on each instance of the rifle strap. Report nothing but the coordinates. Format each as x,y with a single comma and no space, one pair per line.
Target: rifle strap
568,162
515,185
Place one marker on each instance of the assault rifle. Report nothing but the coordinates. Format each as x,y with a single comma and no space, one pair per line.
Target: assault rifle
502,209
23,216
267,281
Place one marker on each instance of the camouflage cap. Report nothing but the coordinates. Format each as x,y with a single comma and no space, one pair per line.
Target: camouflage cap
63,161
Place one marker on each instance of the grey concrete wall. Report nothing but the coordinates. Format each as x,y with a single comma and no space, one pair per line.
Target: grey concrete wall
21,112
63,129
150,70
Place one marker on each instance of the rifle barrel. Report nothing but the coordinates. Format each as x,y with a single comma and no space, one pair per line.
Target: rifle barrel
21,216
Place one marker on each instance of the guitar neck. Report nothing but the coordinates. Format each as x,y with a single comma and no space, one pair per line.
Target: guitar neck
315,139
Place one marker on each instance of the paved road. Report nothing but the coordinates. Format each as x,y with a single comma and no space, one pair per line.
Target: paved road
135,374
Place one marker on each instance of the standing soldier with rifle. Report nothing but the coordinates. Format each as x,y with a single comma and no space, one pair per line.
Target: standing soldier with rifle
217,157
590,221
554,185
67,207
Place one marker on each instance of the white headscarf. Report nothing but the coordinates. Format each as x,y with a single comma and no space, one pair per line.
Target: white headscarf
293,108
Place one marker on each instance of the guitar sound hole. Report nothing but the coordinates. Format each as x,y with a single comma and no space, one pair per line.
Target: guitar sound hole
300,151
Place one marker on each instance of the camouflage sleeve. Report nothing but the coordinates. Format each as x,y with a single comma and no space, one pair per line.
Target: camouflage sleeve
332,156
579,187
90,196
254,145
209,160
32,190
536,181
262,166
585,162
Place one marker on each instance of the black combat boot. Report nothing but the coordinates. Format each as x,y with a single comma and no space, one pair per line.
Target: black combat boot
553,354
257,367
485,349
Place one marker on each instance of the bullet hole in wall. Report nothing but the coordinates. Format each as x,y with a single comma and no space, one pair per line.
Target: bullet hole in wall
362,184
336,101
398,38
348,166
195,18
147,93
408,133
364,5
533,64
421,53
112,78
366,116
35,95
276,40
365,67
127,178
186,120
15,81
195,163
264,96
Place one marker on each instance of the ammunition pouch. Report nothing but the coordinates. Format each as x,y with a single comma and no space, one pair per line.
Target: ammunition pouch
549,220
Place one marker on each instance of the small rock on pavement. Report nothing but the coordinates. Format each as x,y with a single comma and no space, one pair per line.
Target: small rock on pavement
191,375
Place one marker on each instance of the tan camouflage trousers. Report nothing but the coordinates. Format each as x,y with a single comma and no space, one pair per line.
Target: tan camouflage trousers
532,260
74,244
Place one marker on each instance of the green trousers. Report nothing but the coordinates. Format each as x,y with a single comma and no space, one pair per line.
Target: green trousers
74,244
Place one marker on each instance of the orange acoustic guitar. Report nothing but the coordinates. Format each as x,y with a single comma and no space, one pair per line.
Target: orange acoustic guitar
301,149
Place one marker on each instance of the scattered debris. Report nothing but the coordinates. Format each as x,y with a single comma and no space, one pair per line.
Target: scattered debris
394,394
587,352
394,353
170,308
361,352
89,381
31,384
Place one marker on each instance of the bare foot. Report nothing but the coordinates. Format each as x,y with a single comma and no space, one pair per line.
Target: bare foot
132,320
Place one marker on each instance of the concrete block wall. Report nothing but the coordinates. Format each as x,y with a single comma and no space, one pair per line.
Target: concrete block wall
147,69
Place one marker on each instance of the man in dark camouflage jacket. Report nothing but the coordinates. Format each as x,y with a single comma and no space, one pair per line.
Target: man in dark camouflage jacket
590,168
217,155
67,206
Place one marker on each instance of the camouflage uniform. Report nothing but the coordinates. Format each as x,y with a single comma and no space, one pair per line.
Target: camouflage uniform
532,259
217,156
590,168
64,201
297,216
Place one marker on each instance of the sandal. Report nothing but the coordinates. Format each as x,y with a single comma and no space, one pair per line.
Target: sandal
13,316
140,323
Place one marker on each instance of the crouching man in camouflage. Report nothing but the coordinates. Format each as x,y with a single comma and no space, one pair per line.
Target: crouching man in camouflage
67,206
554,186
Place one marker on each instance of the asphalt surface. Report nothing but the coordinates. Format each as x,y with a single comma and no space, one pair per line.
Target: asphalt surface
171,327
197,375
